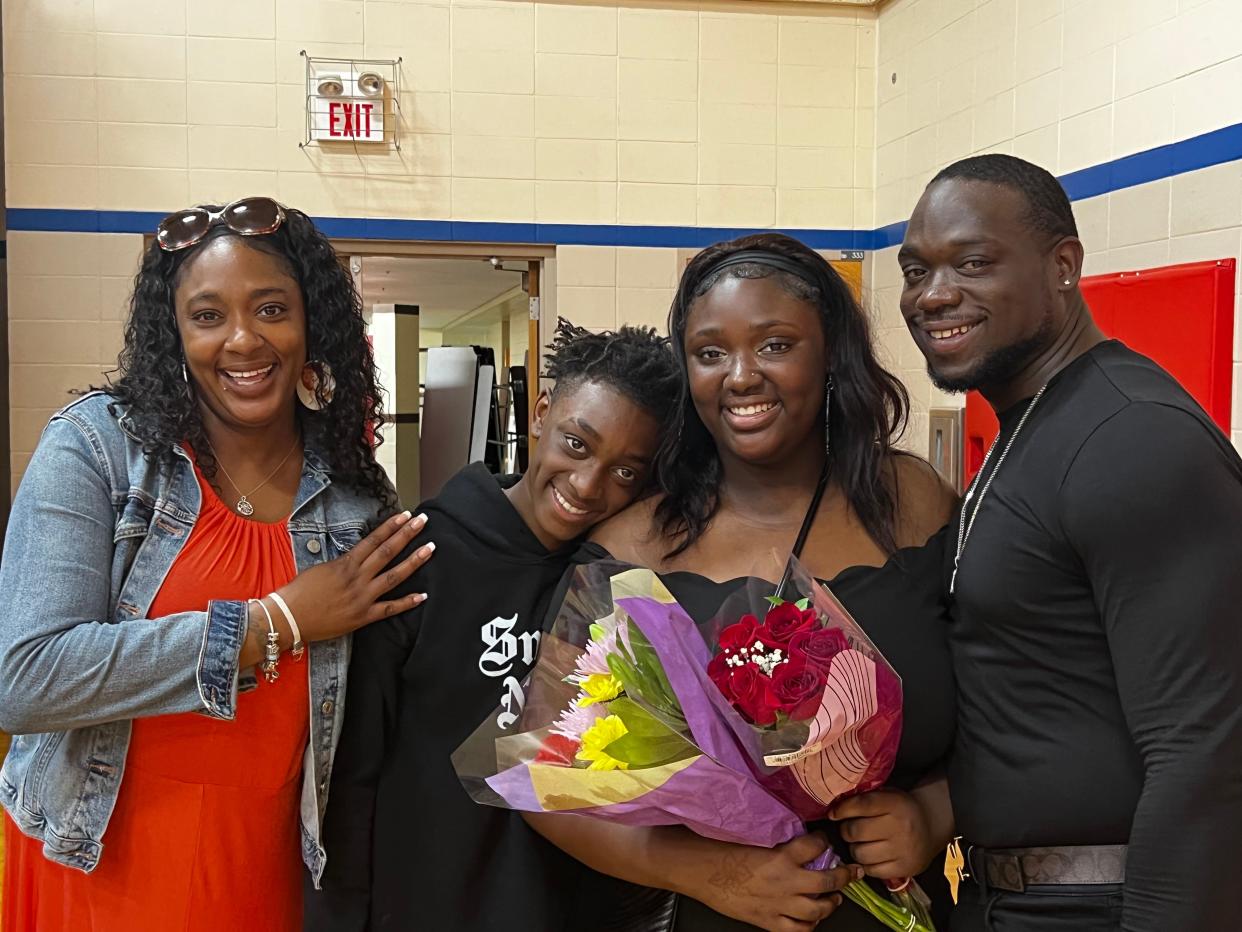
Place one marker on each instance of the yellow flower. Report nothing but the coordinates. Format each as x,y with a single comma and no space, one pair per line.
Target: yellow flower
599,688
595,741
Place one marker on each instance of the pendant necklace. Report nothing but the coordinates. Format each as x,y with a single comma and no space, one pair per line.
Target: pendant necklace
243,506
964,528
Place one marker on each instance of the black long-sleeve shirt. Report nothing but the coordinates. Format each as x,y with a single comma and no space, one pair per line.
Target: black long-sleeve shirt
1097,643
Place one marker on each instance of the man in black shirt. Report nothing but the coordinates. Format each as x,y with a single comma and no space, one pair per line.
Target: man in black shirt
1097,774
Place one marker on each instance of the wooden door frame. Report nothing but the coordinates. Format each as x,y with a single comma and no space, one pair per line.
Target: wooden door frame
533,351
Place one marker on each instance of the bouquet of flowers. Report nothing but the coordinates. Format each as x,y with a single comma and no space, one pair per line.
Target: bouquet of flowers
742,728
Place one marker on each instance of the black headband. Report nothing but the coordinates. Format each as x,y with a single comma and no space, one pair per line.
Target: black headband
763,257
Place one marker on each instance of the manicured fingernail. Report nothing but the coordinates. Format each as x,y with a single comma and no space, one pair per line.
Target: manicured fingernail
420,598
429,548
859,873
421,518
403,517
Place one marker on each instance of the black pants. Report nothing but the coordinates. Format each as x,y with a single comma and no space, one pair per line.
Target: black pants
1062,908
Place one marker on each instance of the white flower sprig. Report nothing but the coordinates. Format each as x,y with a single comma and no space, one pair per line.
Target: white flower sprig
767,662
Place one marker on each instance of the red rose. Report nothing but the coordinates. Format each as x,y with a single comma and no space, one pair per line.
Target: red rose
739,635
559,750
751,691
797,687
746,689
818,646
720,673
783,622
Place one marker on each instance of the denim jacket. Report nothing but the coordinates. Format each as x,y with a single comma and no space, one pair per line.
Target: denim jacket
93,531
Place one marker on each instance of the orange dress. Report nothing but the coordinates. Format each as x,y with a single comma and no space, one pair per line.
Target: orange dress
205,833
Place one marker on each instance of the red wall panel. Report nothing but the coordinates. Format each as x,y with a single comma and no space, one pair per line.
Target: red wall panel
1180,315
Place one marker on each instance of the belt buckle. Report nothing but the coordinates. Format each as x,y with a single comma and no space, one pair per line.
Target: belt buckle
1005,872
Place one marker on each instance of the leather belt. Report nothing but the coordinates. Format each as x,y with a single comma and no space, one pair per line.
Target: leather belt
1015,869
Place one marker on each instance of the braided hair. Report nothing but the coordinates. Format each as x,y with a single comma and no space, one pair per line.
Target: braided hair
1048,206
633,361
869,404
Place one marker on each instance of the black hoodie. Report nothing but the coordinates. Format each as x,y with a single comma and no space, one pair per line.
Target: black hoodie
407,848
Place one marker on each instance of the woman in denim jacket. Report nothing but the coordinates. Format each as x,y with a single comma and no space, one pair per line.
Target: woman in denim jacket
186,554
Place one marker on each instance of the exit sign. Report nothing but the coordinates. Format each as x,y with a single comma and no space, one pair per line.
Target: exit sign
346,101
344,119
349,120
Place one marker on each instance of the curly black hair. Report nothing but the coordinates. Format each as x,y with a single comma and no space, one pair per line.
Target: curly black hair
1048,206
869,404
634,361
162,412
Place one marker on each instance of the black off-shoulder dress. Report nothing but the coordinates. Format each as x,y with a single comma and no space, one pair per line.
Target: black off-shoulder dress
901,605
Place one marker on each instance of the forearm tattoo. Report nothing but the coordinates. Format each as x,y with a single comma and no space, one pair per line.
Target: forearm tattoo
731,875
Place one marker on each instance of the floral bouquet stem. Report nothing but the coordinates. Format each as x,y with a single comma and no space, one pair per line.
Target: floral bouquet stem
908,911
911,897
887,912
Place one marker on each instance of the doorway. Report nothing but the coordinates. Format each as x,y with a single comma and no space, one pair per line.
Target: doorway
453,332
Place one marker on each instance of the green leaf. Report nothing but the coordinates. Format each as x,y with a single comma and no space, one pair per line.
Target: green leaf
656,690
640,753
597,632
773,601
626,672
802,604
638,721
666,688
641,673
649,742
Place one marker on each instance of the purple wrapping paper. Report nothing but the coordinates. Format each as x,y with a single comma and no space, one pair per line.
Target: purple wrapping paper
706,797
715,727
717,796
726,793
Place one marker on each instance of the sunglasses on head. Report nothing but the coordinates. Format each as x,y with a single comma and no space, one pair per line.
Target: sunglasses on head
250,216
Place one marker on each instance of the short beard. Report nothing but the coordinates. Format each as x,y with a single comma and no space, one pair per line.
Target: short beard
998,366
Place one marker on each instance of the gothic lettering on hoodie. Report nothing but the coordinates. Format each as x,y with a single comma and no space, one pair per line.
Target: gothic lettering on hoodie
502,648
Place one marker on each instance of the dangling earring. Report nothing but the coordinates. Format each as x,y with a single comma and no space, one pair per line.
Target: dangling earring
185,376
316,386
828,417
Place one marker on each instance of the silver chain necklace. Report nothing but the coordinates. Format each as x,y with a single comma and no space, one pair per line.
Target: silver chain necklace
243,506
963,528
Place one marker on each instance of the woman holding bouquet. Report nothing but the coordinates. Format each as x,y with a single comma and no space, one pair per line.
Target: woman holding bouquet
782,398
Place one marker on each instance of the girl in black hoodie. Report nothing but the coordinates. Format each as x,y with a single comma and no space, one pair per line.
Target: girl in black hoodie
406,847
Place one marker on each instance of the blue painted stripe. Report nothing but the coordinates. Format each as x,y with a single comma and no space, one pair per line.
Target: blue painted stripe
887,236
1214,148
47,219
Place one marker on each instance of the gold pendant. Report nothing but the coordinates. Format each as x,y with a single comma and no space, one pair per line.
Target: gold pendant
244,507
954,867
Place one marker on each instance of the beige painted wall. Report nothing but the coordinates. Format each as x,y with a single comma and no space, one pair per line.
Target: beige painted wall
1067,84
728,116
736,114
68,295
715,114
